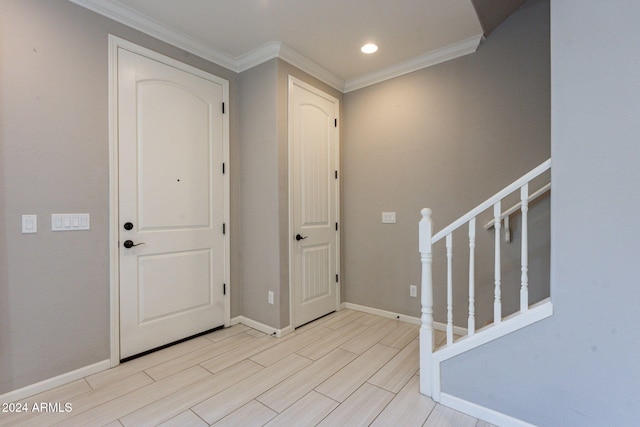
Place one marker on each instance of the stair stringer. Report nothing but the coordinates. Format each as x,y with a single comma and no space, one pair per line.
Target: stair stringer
508,325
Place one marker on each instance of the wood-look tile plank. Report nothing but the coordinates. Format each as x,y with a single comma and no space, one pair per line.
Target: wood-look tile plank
332,340
223,334
244,351
360,409
293,388
170,367
408,408
253,414
367,338
342,318
395,374
348,379
137,365
185,419
223,403
63,394
87,401
443,416
308,411
288,346
401,335
371,319
117,408
175,403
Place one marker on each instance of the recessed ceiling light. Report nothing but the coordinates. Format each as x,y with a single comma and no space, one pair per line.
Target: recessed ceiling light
369,48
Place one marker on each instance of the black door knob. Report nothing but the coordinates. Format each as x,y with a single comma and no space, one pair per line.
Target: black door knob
299,237
129,244
128,226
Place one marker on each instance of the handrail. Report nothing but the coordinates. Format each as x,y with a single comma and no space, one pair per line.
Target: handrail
544,189
492,200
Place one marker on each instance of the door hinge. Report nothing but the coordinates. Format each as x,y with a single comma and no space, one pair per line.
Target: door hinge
223,169
224,228
224,289
337,278
336,226
335,123
336,174
223,108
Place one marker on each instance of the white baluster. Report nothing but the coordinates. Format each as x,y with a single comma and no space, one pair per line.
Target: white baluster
524,288
426,328
497,304
471,323
449,244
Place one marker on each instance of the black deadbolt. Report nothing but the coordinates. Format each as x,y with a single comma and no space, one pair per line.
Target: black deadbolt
128,226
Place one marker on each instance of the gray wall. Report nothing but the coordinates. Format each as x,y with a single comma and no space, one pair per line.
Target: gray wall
259,183
264,180
580,367
447,138
54,287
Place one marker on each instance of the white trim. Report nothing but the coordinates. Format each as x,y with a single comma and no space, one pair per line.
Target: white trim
114,265
481,412
491,332
383,313
311,67
275,49
279,333
428,59
298,82
114,44
144,24
54,382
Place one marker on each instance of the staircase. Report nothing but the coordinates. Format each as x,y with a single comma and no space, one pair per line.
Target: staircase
430,357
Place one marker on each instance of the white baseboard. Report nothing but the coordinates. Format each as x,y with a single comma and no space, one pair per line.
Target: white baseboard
383,313
269,330
402,317
481,412
50,383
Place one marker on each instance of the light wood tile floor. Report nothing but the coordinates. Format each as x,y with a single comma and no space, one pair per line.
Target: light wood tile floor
346,369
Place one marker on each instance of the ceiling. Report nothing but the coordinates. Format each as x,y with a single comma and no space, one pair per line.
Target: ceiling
322,37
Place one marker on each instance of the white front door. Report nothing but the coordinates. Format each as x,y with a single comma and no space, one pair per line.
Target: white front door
172,201
313,180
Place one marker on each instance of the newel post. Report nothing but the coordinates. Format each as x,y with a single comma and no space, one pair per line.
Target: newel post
426,328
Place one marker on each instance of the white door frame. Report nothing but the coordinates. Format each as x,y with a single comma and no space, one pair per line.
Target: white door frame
293,80
114,226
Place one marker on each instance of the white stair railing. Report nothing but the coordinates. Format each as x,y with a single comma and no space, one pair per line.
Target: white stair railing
429,359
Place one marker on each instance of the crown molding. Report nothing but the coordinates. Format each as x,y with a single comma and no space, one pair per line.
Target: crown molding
428,59
311,67
142,23
131,18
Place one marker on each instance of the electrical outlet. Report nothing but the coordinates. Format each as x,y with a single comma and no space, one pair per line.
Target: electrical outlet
413,291
270,297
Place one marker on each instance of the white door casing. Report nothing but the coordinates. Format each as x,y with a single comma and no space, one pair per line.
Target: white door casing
170,144
314,202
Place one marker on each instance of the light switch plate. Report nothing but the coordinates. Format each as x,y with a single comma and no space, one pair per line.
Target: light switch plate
29,224
388,217
70,222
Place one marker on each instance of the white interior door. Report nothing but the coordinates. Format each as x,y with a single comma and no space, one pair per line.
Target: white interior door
313,151
172,202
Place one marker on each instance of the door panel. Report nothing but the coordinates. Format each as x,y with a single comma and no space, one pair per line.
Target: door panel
174,155
171,187
313,139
